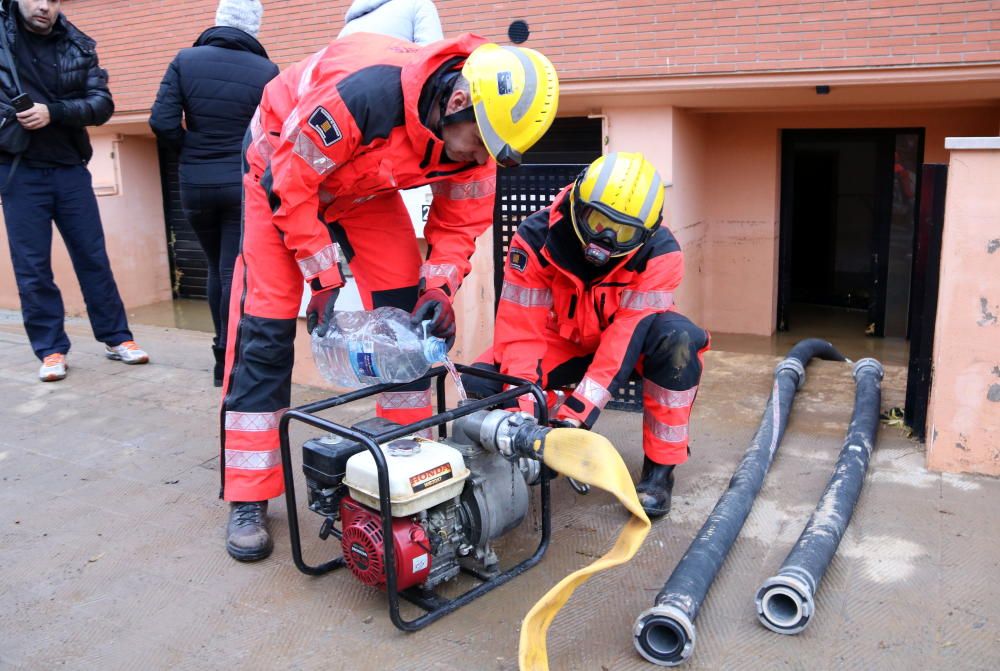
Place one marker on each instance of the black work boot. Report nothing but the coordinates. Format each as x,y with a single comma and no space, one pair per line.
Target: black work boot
247,538
654,487
219,371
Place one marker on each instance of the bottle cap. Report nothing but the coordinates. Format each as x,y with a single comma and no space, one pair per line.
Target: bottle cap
435,349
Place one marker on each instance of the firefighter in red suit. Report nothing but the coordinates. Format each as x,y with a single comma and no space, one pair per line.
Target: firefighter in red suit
333,141
587,299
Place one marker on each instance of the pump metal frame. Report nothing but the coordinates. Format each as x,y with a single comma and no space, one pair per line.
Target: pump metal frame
435,606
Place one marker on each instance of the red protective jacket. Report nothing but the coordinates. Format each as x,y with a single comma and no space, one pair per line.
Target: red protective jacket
334,140
543,295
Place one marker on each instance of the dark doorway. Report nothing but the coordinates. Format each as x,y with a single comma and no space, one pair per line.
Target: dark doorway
848,207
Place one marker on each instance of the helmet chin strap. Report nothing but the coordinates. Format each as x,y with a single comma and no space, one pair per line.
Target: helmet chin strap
465,114
447,85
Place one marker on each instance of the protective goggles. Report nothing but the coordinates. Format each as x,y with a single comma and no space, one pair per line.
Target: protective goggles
614,230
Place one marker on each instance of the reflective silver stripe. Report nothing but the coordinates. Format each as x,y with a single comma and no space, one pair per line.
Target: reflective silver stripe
530,86
493,141
529,298
259,139
593,392
604,177
307,149
324,259
253,460
665,432
290,127
404,399
668,397
306,79
646,300
253,421
446,270
647,205
256,130
465,190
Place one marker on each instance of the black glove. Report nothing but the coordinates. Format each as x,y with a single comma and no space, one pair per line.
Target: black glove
564,424
435,305
319,311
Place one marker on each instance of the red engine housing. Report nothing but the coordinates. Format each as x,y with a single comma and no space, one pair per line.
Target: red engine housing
361,544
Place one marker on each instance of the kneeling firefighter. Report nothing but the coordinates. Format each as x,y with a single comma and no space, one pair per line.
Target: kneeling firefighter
587,299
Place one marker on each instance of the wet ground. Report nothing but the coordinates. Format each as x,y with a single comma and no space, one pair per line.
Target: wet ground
111,547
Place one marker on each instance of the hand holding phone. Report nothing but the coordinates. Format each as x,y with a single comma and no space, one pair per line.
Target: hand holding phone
22,103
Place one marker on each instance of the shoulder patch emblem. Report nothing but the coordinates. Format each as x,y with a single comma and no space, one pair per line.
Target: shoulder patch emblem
322,121
518,259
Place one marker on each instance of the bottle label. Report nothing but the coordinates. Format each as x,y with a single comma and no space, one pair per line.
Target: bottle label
363,359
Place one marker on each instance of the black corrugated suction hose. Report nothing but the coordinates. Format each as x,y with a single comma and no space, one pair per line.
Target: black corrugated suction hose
786,601
665,633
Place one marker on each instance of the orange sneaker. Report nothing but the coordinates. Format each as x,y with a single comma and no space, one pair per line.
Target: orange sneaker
53,368
127,352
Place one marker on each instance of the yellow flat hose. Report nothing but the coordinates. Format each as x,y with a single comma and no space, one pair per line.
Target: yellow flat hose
591,458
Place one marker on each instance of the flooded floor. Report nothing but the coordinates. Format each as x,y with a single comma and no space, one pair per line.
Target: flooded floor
844,328
181,313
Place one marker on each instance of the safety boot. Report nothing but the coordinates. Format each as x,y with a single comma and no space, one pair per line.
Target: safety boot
654,487
247,538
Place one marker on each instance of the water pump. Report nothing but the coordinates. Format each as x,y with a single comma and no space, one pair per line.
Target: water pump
450,498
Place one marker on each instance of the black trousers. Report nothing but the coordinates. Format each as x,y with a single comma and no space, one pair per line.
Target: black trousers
35,198
214,214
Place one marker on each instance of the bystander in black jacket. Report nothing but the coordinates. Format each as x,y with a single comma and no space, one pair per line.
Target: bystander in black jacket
47,185
80,97
214,87
217,84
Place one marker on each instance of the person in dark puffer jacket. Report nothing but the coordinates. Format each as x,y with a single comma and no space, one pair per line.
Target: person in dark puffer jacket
215,86
58,69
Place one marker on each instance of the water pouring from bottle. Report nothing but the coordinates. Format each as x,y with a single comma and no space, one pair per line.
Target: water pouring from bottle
450,365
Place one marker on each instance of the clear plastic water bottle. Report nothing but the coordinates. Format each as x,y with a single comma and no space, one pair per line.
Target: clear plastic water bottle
366,348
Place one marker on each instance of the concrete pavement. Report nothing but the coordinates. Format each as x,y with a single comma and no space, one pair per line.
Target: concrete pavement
112,557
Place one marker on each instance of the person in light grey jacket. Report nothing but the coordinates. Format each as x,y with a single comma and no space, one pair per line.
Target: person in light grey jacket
412,20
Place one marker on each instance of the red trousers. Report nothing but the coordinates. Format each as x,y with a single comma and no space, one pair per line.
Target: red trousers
378,239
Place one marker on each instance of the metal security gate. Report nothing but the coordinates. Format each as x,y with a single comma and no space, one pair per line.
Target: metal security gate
520,192
924,295
188,265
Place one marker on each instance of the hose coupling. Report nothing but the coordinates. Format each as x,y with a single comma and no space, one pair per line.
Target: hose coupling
664,635
795,366
869,363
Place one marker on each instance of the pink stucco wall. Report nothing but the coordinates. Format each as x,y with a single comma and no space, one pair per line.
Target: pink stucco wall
672,139
685,209
127,180
964,413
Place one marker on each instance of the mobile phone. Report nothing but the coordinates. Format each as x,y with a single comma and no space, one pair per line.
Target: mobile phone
22,103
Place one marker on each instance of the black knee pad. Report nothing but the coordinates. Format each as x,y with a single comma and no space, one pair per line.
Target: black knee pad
671,350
